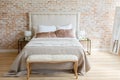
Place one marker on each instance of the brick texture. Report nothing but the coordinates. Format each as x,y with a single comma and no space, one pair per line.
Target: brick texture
96,18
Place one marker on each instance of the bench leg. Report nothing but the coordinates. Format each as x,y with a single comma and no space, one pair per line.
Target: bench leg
28,70
75,69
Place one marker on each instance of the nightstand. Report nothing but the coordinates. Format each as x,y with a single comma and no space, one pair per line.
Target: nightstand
86,44
21,43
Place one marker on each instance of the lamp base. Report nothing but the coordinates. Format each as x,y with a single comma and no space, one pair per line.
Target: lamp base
27,38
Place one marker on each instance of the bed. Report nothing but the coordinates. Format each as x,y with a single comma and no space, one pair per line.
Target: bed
51,45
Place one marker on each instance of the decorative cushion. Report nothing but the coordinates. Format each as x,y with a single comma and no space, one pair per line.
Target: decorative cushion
46,35
64,33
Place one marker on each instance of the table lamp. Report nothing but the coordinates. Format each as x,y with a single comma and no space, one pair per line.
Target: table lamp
28,35
82,34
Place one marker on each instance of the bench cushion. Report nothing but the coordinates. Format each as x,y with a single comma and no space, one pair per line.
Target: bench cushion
50,58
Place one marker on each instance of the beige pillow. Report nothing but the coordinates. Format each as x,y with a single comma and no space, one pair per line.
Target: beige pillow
64,33
46,35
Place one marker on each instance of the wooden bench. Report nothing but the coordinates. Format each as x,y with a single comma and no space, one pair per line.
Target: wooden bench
51,59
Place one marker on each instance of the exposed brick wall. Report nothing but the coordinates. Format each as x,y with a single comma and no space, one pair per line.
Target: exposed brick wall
96,18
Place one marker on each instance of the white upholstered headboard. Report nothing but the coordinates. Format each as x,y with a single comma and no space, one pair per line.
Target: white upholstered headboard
54,18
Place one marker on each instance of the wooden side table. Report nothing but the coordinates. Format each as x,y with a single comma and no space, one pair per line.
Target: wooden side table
86,44
21,43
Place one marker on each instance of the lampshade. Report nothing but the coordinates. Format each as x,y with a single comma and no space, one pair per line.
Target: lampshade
27,33
82,34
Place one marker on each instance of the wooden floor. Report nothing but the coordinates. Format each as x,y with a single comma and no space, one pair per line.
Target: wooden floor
104,66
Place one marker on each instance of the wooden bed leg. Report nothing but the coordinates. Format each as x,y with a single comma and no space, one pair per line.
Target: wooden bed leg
28,70
76,68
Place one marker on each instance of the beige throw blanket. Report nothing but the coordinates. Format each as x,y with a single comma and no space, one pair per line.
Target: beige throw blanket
51,46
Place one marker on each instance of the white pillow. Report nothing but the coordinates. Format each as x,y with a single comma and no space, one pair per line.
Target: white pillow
65,27
44,28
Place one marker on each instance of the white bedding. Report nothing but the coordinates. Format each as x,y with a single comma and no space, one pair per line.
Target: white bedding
54,42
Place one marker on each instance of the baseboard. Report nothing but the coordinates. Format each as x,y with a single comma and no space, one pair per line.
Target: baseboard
8,50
